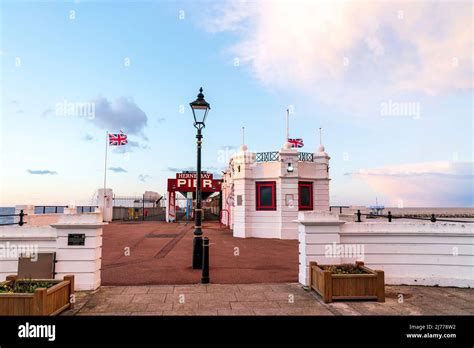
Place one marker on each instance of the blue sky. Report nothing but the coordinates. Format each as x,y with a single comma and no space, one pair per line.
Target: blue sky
252,63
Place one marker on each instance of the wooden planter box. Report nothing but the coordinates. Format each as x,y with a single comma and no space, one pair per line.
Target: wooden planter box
50,301
369,286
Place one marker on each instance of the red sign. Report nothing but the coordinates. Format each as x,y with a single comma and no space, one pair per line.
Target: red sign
189,185
193,176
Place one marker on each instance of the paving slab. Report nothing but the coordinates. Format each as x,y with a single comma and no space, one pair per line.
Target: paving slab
266,299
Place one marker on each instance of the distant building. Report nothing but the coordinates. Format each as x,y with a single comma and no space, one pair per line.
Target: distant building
263,192
376,209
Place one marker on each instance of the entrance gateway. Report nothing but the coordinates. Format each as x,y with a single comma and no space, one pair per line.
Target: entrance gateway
184,183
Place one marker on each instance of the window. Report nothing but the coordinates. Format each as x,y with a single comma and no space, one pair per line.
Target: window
305,195
266,195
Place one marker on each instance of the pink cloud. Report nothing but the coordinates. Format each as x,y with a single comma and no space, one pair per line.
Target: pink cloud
426,184
347,51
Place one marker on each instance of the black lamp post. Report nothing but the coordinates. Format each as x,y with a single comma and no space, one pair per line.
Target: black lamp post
200,109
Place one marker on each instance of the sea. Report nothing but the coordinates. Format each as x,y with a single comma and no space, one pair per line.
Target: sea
7,219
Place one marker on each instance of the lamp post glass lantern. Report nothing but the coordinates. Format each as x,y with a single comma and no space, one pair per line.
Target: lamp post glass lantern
200,109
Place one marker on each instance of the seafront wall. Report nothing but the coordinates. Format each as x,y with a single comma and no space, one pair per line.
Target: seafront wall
413,211
414,253
48,233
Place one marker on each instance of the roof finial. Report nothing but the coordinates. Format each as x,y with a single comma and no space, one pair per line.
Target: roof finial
243,147
321,147
286,144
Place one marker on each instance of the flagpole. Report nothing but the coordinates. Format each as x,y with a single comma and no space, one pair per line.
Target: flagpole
287,124
105,163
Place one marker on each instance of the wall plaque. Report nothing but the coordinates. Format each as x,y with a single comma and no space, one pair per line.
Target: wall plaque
76,239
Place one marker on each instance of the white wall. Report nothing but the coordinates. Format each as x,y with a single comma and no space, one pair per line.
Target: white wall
416,253
49,233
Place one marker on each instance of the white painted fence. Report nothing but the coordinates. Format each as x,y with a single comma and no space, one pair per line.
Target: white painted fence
416,253
49,233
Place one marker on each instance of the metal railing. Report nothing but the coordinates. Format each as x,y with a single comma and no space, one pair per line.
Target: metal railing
20,223
55,209
41,209
134,201
90,208
274,156
338,206
390,217
267,156
305,157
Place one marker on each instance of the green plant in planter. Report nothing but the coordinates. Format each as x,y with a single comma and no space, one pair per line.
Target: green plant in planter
5,289
344,269
24,286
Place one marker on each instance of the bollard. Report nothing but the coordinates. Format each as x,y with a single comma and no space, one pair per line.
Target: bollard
21,217
433,219
205,261
358,215
389,216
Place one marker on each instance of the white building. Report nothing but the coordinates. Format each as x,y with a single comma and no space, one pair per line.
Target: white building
263,192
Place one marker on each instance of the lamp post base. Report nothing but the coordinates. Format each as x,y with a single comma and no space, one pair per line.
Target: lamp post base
197,252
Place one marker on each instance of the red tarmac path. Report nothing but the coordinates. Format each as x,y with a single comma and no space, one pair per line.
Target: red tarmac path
160,253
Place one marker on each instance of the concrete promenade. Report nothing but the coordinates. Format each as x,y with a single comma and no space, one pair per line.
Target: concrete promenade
146,270
265,299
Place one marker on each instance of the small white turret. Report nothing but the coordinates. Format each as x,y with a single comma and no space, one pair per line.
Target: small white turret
321,151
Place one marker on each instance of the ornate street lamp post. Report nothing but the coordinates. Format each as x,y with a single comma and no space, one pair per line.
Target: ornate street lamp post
200,109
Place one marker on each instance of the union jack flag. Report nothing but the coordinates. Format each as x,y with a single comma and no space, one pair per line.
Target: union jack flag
117,139
296,142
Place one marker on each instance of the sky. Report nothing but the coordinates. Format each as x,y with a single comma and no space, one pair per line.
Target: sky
390,83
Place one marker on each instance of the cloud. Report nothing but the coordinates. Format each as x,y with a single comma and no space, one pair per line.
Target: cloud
123,114
42,172
438,183
183,169
87,137
228,147
16,104
117,169
47,112
347,51
143,177
190,169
